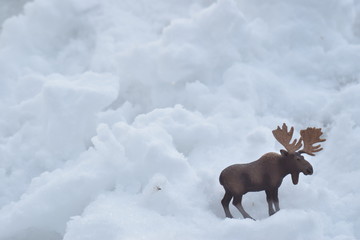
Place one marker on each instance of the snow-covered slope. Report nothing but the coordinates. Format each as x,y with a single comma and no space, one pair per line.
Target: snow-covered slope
118,116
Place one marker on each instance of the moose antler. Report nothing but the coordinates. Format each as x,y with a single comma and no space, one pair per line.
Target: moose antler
311,136
284,137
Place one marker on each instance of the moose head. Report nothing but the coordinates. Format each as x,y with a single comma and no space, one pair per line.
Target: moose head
294,160
267,173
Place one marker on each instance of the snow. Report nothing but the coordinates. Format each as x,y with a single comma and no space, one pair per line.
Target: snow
118,116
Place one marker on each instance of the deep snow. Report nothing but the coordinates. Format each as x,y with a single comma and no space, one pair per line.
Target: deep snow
118,116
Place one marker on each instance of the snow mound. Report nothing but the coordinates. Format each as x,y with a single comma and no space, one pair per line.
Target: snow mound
118,116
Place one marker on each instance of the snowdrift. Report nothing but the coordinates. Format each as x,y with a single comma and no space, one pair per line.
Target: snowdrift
118,116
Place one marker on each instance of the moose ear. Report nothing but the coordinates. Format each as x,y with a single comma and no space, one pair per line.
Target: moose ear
284,153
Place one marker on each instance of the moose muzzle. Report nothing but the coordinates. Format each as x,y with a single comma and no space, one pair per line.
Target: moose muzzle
309,171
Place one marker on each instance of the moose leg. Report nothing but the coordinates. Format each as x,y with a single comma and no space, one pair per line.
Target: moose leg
237,204
276,199
225,203
269,199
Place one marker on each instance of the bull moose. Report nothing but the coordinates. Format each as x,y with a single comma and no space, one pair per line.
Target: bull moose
267,173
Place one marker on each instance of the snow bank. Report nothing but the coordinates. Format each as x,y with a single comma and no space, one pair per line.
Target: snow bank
118,116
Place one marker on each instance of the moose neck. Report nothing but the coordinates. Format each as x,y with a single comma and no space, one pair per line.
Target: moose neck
287,169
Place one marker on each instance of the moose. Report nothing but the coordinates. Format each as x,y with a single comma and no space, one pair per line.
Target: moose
267,173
